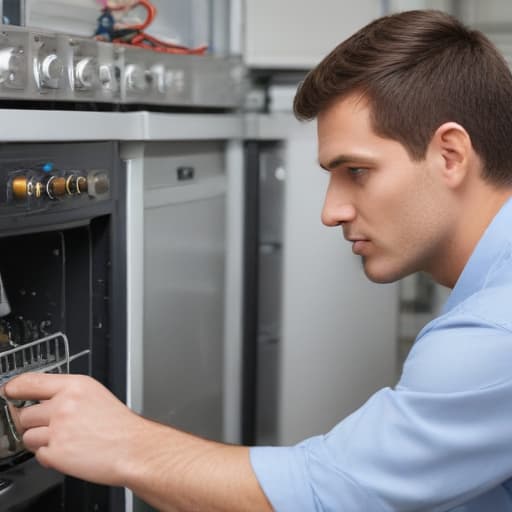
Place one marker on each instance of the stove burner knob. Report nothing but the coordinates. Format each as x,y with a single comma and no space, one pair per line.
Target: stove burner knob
20,187
107,77
56,187
86,73
82,184
98,184
136,78
12,61
76,184
51,68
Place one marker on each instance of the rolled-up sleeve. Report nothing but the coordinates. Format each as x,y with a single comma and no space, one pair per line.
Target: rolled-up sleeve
285,475
431,443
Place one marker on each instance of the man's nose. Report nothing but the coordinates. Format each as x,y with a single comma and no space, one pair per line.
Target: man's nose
337,210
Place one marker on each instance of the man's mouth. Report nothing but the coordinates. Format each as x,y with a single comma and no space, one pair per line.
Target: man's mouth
359,245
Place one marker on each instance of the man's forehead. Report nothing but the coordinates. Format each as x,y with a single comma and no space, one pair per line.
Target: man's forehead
344,130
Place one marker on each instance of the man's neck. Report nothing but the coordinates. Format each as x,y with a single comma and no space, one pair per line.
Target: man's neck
477,211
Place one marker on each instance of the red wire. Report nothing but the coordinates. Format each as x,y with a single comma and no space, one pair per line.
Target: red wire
143,40
151,13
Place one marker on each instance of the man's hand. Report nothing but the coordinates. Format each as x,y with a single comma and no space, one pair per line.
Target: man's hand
78,428
81,429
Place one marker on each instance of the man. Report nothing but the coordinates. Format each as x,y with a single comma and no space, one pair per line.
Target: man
414,119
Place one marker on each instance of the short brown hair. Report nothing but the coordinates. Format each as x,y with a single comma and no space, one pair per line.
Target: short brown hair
419,69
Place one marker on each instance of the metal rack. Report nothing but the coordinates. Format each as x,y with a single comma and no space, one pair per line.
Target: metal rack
48,354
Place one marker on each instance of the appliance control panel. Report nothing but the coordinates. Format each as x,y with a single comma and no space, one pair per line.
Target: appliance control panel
43,187
42,66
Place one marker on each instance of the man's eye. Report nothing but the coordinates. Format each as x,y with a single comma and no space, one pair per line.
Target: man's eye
356,171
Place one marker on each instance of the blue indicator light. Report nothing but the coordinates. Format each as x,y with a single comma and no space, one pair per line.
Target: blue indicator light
48,167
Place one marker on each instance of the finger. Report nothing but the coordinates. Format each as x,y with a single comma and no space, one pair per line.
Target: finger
34,416
42,456
35,386
35,438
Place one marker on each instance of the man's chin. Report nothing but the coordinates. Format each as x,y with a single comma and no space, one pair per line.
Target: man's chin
381,274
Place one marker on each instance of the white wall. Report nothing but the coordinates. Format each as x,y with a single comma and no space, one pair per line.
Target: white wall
298,33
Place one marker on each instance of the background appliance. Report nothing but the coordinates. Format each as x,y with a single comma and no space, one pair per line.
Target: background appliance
40,66
62,261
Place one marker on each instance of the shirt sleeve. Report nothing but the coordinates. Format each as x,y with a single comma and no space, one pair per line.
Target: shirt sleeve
440,438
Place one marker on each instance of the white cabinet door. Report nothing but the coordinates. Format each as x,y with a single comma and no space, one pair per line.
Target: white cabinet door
296,34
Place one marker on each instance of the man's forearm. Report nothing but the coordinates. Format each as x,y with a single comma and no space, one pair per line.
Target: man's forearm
175,471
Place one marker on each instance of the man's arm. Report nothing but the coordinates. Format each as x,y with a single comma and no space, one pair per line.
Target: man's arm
81,429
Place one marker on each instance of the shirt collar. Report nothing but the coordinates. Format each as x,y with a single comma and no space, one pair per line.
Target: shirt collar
486,253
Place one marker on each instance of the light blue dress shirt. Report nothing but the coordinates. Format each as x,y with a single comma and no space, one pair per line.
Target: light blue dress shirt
441,440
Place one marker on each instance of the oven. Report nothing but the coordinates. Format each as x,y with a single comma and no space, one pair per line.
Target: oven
62,296
81,123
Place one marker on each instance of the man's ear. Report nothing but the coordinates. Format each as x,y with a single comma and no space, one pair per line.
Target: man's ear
452,148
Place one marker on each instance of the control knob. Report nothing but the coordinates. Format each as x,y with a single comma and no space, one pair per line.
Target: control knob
51,68
86,73
158,76
20,187
76,184
56,187
98,184
107,77
12,64
136,78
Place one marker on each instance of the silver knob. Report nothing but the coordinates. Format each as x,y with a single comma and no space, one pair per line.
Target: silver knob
108,77
158,75
105,75
51,68
12,63
86,73
136,78
98,184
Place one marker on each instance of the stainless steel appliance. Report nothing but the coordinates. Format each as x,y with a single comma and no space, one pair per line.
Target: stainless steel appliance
184,268
62,262
173,367
39,66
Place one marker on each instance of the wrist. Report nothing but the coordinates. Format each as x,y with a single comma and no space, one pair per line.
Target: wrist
135,445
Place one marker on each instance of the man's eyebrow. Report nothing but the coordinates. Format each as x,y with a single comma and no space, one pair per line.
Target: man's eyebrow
340,160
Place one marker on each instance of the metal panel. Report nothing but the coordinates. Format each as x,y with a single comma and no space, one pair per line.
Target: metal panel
184,255
233,295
